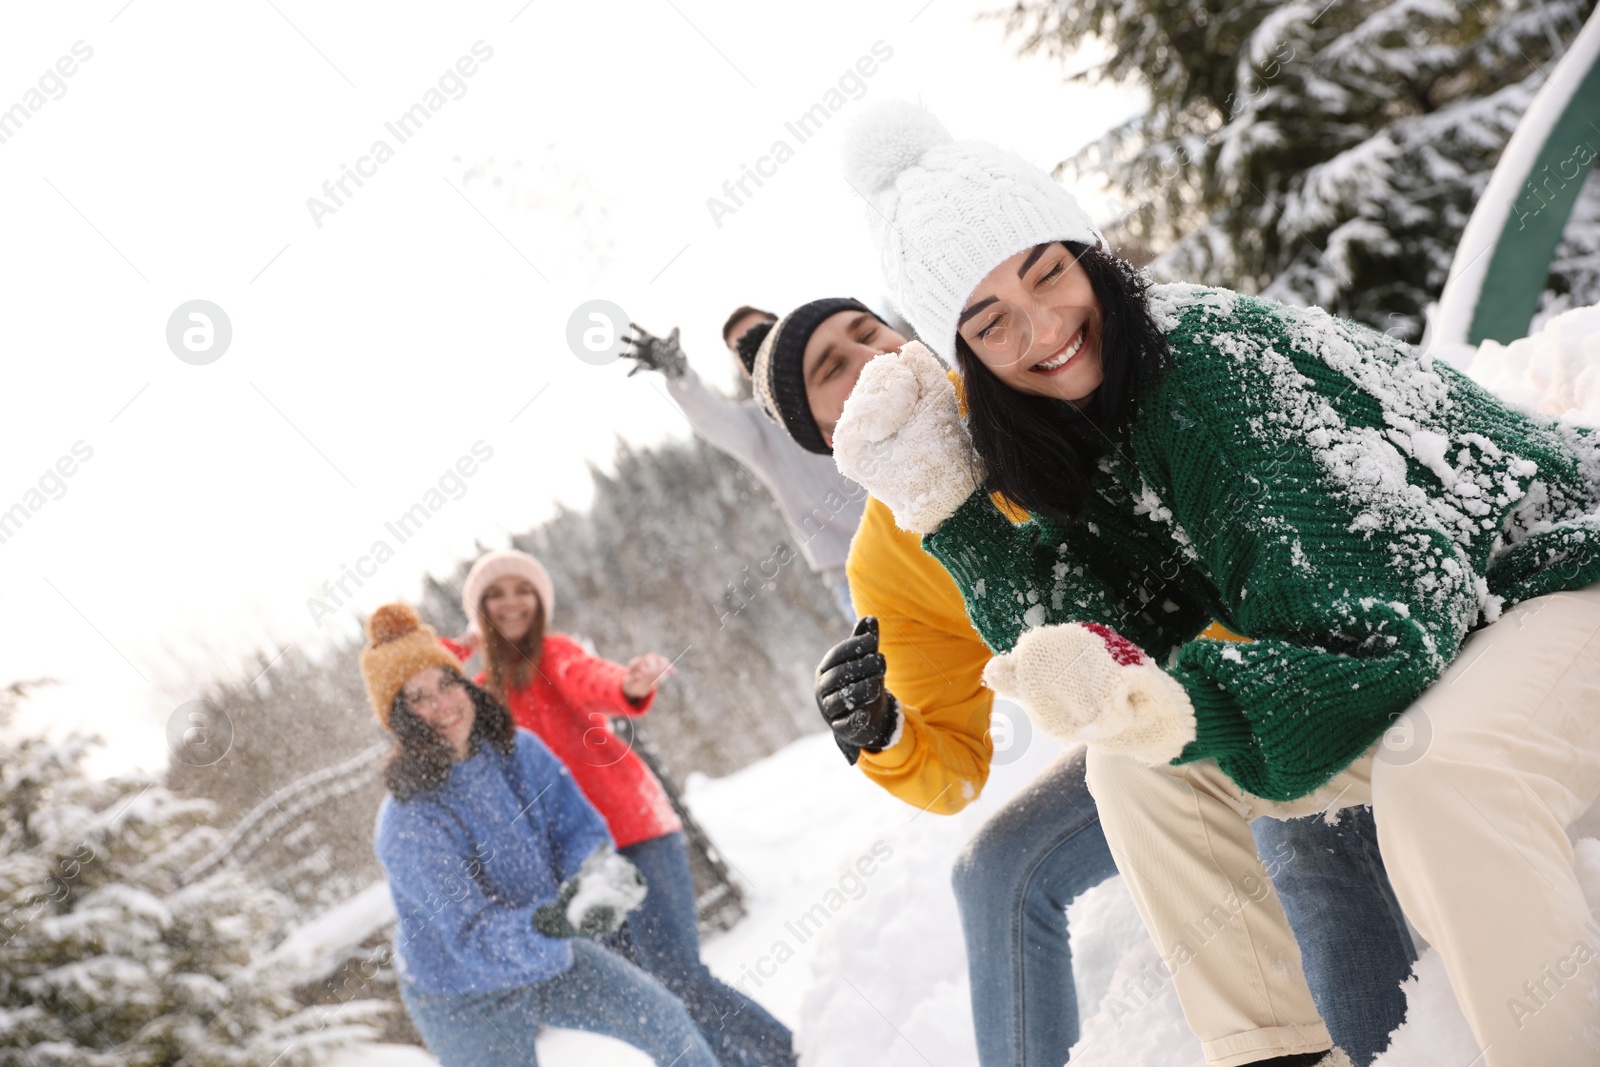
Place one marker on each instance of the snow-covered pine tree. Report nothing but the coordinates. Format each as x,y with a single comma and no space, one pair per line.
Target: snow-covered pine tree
1318,152
294,713
106,960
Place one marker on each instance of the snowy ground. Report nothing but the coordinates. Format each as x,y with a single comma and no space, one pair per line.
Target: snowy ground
883,980
882,983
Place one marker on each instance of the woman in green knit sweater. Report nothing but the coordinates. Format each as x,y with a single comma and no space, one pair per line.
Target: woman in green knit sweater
1405,551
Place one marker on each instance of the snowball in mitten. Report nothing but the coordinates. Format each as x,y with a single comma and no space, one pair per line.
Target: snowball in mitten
1086,682
901,436
595,901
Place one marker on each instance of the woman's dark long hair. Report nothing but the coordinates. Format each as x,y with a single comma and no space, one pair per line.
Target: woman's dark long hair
421,759
1041,452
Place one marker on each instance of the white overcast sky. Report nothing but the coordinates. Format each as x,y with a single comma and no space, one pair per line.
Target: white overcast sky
370,353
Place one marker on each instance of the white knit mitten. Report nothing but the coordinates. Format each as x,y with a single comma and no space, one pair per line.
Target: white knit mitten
901,437
1084,682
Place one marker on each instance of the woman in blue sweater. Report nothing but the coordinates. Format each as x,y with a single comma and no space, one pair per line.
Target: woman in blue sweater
500,872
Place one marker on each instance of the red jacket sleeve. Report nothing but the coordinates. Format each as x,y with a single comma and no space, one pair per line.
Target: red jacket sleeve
588,683
456,648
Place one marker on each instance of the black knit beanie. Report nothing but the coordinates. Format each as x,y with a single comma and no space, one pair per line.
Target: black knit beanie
749,344
779,371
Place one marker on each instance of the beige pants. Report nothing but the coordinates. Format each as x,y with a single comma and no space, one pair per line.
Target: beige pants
1472,789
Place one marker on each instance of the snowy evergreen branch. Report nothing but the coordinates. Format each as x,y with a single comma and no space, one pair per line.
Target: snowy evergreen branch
1317,153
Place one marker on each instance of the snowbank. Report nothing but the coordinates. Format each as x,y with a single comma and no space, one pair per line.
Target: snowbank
322,944
870,968
889,983
1556,371
391,1056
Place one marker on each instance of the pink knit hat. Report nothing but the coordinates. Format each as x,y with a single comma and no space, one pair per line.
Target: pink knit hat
499,564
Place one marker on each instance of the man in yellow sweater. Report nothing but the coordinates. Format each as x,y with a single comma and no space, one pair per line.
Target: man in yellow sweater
905,699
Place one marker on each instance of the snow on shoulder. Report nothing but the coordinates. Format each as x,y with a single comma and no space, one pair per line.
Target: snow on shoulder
1170,302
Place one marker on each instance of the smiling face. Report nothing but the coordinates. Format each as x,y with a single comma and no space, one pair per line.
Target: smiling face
438,698
1035,322
834,356
512,604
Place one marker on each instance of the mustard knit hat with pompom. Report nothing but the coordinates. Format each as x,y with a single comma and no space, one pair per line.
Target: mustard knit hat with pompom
399,644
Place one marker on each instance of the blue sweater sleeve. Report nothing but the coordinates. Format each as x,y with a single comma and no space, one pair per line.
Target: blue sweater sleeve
571,825
439,900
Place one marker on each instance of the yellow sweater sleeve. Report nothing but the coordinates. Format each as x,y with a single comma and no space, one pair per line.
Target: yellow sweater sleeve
935,663
935,668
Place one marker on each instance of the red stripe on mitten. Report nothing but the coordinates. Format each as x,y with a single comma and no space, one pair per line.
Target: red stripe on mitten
1125,652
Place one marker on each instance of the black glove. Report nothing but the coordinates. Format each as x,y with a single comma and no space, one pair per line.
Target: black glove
650,352
851,695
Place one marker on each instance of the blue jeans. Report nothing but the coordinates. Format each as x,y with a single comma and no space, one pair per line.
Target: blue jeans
664,936
598,993
1014,880
1352,933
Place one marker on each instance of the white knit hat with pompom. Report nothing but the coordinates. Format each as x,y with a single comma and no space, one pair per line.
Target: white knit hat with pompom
945,213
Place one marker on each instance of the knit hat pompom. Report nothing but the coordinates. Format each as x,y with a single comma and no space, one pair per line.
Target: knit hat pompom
392,622
887,139
750,343
945,213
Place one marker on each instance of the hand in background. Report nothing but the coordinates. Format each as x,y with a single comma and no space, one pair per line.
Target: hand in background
650,352
472,641
644,673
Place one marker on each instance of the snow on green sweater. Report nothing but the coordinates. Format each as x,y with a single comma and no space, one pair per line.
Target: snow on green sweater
1352,506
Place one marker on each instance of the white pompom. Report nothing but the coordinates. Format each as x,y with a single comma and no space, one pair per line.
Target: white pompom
887,139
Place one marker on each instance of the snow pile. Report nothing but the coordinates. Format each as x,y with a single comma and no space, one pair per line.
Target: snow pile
379,1055
853,937
315,950
1435,1031
889,981
1556,371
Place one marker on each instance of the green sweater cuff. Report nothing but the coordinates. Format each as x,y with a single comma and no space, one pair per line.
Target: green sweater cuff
979,547
1220,728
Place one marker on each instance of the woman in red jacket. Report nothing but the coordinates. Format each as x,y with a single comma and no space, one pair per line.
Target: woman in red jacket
568,697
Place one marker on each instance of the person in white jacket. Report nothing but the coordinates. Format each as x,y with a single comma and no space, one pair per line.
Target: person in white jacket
821,507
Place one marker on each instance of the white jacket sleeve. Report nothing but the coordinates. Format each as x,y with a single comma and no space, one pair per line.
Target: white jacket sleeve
733,427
